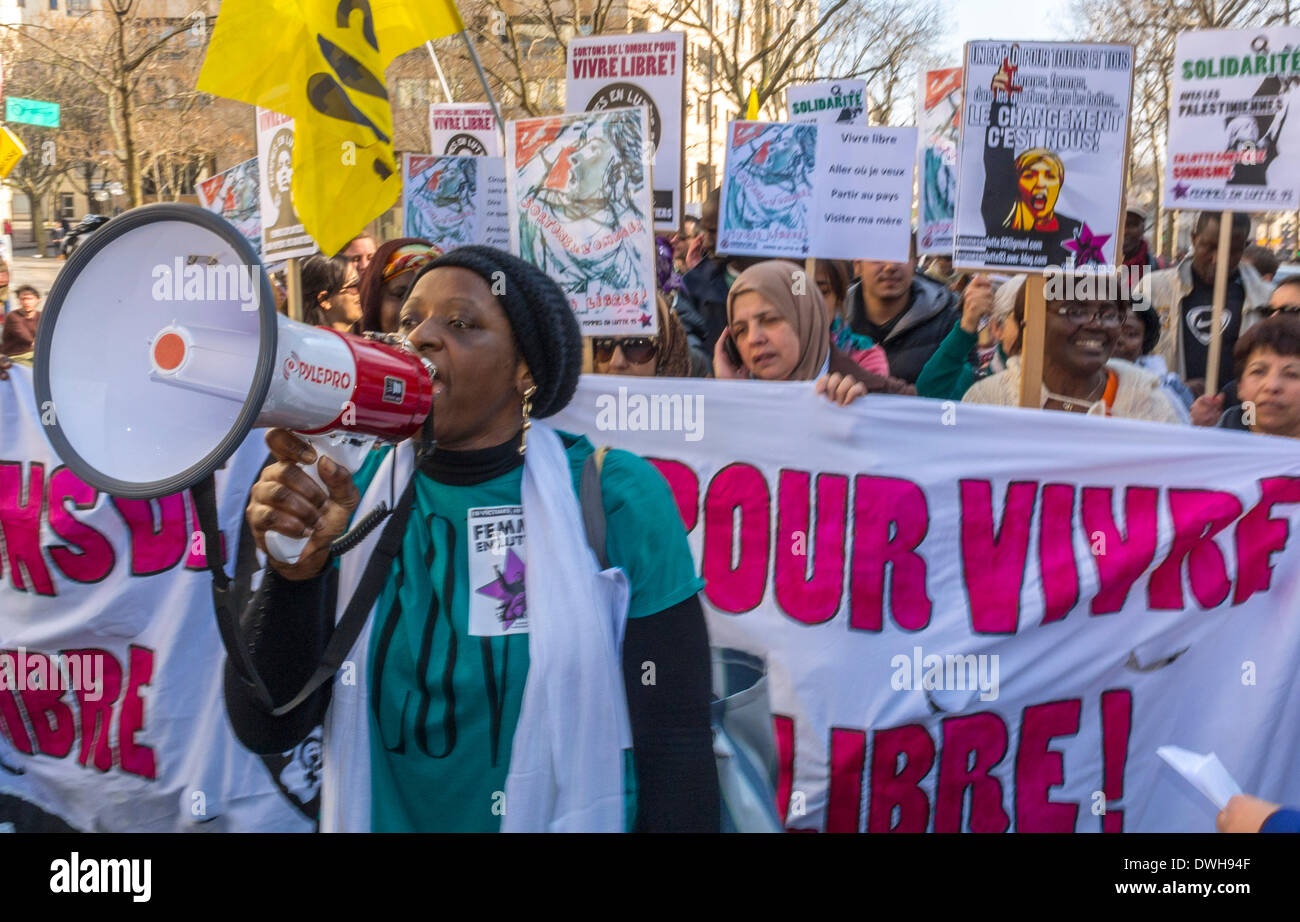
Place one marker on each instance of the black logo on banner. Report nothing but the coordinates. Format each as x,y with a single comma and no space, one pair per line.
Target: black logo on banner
625,95
465,145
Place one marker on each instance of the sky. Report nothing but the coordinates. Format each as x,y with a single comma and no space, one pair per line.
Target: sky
1004,19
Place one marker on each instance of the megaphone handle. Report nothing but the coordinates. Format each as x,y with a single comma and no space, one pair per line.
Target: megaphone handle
345,455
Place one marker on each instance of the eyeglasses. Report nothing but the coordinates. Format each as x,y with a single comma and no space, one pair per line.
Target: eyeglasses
636,349
1293,309
1109,316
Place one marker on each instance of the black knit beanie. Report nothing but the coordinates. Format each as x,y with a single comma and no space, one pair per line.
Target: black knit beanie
543,323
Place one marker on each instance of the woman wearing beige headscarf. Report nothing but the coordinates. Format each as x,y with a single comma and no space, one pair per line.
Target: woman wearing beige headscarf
778,330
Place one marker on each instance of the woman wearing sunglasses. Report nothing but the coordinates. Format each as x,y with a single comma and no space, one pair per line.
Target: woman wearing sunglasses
666,354
329,293
1079,374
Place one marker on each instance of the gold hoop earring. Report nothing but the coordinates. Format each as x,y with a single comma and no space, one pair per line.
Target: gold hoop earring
527,408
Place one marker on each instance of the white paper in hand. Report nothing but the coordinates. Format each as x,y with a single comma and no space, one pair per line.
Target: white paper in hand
1205,773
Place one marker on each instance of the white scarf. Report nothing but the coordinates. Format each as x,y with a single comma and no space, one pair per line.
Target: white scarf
566,759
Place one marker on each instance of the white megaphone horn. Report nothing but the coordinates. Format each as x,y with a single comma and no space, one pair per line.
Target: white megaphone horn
160,348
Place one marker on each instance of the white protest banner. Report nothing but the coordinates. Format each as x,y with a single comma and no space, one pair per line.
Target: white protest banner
938,122
234,194
463,129
843,102
455,201
112,715
1232,146
640,69
580,211
864,193
1043,154
767,189
283,236
972,624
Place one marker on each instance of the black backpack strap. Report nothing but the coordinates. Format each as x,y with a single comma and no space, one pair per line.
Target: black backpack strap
593,506
349,626
223,594
355,615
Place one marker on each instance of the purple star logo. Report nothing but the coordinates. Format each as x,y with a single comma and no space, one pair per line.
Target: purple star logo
508,589
1086,246
1181,189
645,320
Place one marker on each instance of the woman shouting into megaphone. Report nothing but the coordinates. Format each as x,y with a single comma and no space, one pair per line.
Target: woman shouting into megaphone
498,678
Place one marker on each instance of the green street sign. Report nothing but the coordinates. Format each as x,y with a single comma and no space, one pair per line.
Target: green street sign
32,112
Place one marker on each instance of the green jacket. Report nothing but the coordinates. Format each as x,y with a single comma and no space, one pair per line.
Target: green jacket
948,373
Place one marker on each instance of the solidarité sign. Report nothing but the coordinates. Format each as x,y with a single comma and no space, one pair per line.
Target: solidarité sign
1233,142
842,102
971,625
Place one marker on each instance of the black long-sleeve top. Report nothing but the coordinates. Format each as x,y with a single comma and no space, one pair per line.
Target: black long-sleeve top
289,623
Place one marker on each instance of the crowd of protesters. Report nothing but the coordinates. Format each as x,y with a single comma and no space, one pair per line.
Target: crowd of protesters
869,327
895,329
866,327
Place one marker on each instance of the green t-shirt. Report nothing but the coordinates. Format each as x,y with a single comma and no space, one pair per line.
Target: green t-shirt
445,700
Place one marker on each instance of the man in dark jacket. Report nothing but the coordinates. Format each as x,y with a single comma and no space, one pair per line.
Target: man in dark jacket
906,313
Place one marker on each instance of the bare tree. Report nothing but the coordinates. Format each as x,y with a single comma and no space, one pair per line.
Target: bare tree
523,46
113,47
37,174
766,46
886,43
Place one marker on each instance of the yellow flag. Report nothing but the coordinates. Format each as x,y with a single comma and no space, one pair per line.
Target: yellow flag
11,151
322,62
751,111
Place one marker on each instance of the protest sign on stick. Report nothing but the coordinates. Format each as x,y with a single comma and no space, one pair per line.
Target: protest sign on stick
236,195
1042,162
841,102
463,129
455,201
283,235
1231,144
640,69
768,195
1042,156
938,123
580,210
863,202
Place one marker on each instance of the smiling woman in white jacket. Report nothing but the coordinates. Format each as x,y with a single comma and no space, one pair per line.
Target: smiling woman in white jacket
1079,375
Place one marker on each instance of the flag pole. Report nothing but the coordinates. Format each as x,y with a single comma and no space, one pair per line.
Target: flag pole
478,66
446,90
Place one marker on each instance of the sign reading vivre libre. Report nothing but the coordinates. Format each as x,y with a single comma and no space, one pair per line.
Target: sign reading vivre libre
640,69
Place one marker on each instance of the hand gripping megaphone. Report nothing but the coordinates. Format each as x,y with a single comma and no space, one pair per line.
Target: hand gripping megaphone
160,348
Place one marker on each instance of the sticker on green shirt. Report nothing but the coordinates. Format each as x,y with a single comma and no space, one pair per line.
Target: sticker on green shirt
496,571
